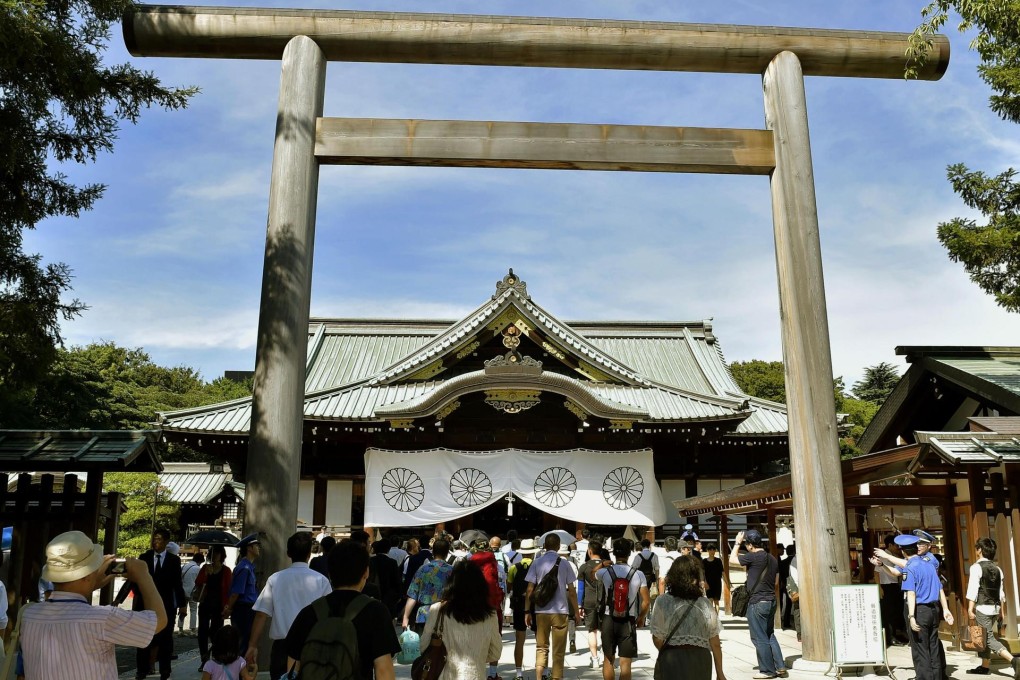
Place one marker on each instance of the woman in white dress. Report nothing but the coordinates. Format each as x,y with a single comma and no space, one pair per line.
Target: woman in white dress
470,629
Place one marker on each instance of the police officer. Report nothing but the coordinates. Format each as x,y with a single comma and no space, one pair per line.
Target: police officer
924,594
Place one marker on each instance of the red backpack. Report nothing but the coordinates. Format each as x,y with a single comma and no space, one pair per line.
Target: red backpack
621,593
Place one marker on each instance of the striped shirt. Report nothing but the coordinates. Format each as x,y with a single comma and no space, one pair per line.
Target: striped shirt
66,637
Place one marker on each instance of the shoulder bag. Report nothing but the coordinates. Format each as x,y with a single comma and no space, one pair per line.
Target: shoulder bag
740,598
671,662
973,638
546,589
430,665
199,590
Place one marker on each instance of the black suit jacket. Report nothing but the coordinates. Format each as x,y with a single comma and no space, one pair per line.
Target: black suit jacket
168,583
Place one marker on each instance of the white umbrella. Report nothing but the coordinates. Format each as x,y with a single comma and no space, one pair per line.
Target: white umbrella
565,538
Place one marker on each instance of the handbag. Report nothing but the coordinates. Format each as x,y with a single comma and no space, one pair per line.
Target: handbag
671,662
973,638
430,665
740,598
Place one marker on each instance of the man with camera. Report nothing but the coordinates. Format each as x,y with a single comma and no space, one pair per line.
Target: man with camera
67,637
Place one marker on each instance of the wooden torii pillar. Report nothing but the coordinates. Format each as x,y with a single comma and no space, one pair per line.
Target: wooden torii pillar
306,39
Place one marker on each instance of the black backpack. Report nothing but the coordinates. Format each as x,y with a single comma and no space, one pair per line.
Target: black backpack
519,587
646,568
331,650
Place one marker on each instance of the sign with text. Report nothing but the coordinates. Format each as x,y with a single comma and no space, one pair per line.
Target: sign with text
857,625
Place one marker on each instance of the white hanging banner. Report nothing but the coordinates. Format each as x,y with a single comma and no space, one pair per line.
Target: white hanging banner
412,488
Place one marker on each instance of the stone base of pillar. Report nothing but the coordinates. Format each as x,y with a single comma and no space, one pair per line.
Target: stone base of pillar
804,666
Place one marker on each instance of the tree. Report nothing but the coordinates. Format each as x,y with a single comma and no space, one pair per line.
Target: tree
990,252
766,380
106,387
762,379
878,381
140,491
59,103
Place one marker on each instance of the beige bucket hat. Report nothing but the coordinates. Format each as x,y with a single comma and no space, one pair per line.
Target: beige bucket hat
70,556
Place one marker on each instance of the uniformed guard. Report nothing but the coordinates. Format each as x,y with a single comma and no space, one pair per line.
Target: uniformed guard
924,594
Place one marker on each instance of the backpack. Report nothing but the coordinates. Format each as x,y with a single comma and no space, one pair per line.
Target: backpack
502,568
546,589
331,650
620,604
646,568
519,586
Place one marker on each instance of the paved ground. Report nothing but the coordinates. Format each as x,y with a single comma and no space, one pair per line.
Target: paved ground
739,662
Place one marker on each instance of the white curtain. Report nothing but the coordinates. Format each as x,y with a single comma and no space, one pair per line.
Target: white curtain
412,488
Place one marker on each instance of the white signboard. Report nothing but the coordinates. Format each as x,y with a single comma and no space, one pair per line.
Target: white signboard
857,625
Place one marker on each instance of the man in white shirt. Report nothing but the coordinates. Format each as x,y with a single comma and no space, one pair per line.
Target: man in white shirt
67,637
551,616
189,573
396,553
672,553
285,594
985,594
647,562
619,633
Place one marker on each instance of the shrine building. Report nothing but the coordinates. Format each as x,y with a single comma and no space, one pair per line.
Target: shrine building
510,417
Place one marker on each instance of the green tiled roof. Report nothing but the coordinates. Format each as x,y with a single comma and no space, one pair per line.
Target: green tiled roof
357,370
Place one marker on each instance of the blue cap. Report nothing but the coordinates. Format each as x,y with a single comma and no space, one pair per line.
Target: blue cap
923,536
688,527
247,540
905,539
753,536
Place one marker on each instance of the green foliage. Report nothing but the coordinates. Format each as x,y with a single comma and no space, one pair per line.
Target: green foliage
140,493
990,253
103,386
58,104
766,380
878,381
762,379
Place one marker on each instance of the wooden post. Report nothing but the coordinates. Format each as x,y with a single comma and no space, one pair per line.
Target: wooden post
724,555
274,451
1004,556
113,501
867,547
978,502
814,447
952,551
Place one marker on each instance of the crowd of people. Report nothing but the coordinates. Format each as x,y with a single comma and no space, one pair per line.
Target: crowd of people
373,591
372,599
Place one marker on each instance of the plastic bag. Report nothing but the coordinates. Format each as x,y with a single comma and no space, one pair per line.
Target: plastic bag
409,650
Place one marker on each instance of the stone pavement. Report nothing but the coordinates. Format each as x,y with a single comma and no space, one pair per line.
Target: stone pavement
738,658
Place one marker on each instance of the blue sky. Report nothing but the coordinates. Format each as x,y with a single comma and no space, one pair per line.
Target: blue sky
171,259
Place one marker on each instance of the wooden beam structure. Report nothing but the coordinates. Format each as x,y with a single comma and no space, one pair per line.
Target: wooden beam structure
811,407
548,146
306,39
274,450
405,37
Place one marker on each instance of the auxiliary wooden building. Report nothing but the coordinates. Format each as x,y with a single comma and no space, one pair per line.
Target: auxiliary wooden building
428,422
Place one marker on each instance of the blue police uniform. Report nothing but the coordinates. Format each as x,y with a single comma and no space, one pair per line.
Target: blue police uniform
925,647
244,585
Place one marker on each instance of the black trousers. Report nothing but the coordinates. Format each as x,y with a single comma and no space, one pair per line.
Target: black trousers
241,618
163,642
925,646
278,659
892,611
210,620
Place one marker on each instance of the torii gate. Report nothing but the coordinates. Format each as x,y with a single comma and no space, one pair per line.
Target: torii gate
307,39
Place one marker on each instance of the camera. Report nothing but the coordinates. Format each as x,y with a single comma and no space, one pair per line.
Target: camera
118,566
